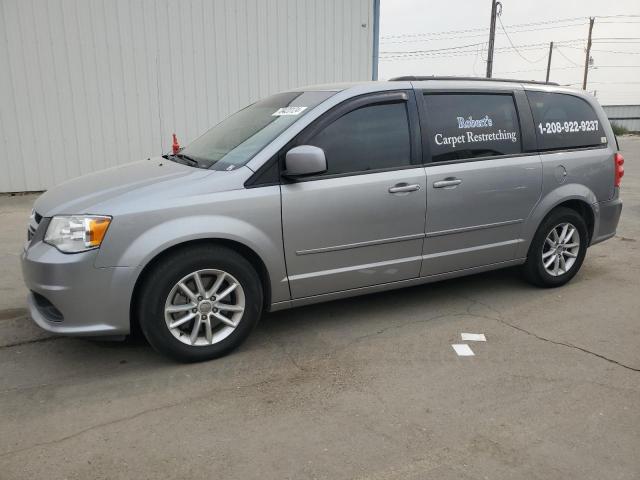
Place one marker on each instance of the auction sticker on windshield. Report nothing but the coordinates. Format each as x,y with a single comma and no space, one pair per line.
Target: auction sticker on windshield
288,111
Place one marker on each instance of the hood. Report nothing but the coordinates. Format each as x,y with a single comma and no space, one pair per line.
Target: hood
99,192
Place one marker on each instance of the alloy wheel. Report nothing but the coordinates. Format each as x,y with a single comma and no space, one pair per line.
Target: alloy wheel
561,249
204,307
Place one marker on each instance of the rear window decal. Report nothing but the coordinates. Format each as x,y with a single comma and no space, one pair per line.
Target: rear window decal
471,125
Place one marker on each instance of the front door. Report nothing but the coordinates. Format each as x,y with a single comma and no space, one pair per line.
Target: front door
481,187
362,222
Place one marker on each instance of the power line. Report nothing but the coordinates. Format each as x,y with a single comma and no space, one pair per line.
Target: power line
616,38
434,56
521,46
428,34
622,15
457,37
538,70
567,58
529,46
453,51
572,68
605,51
469,30
514,47
410,52
463,53
515,27
635,22
608,83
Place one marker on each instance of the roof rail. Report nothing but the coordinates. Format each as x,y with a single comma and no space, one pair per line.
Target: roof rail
413,78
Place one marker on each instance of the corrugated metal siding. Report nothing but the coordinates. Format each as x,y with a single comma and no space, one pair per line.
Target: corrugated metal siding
627,116
88,84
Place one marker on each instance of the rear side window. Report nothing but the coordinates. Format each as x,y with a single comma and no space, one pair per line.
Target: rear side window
564,121
471,125
369,138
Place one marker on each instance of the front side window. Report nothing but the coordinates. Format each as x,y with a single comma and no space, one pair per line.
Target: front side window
564,121
369,138
235,140
471,125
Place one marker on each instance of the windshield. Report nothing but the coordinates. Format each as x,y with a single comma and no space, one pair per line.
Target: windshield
235,140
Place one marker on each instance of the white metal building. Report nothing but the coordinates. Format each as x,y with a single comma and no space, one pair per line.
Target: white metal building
88,84
627,116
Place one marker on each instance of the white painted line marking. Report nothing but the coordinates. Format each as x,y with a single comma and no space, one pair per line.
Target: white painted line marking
463,350
473,337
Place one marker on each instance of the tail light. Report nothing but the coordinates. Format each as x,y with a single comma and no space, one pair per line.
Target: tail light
618,161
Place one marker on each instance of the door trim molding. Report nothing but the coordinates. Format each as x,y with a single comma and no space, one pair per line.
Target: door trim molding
354,268
368,243
403,238
353,292
447,253
474,227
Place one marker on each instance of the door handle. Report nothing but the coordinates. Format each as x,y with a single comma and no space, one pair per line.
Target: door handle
447,182
404,188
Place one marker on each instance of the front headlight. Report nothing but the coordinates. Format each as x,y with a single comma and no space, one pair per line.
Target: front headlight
76,233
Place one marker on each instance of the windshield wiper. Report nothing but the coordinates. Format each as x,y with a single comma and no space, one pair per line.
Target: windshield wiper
193,161
185,159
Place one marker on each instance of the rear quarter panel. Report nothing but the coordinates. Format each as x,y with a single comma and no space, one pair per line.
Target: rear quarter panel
578,174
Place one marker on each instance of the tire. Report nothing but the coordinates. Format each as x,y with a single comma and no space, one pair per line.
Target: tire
161,294
554,275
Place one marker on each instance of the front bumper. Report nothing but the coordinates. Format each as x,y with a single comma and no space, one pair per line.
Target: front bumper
70,296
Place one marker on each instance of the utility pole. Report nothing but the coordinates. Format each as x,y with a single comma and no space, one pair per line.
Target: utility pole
492,36
549,61
588,56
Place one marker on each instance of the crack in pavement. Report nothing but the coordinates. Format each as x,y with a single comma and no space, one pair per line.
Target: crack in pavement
27,342
402,325
134,416
499,319
570,345
284,350
13,313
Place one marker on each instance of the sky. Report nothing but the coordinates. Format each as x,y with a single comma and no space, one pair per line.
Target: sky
425,37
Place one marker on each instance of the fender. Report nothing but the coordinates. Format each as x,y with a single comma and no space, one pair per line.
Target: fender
162,236
559,195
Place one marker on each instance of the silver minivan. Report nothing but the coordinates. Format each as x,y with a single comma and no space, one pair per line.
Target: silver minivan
323,193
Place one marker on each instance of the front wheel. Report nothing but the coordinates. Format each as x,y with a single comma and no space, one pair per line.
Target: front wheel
199,303
557,250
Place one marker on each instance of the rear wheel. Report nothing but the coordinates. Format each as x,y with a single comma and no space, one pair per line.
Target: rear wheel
199,303
557,250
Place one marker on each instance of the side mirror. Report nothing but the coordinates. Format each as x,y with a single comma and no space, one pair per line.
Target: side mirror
304,160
